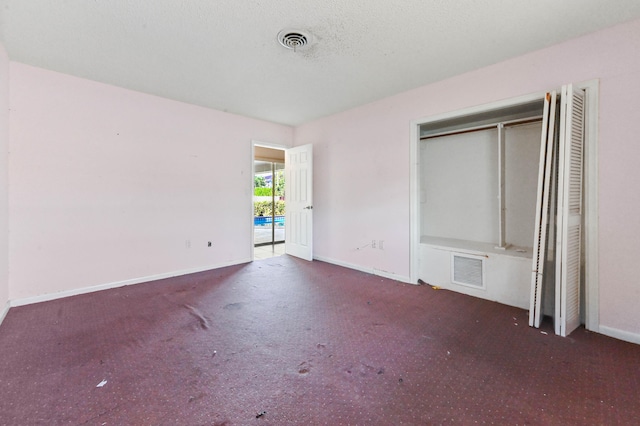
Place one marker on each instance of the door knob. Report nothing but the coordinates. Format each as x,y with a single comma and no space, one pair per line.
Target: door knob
309,208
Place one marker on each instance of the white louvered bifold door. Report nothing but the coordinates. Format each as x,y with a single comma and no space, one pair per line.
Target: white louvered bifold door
569,217
542,207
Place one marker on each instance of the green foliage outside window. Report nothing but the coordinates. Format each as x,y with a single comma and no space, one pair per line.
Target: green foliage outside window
262,192
263,208
260,188
259,182
279,183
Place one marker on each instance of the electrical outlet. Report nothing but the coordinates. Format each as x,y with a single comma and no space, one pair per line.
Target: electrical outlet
209,244
381,244
373,243
187,243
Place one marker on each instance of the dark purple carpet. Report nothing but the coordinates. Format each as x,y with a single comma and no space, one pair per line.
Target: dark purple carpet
303,343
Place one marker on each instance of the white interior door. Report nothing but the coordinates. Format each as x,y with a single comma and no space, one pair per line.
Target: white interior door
299,205
569,217
542,207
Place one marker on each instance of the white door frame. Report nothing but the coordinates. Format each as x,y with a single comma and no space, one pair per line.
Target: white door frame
592,320
255,143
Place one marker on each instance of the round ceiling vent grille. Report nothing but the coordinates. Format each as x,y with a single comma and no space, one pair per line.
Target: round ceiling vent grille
294,39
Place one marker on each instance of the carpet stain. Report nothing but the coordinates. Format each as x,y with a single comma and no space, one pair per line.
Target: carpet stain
195,398
203,322
304,368
233,306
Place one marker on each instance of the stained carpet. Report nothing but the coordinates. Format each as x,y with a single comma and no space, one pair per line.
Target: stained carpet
283,341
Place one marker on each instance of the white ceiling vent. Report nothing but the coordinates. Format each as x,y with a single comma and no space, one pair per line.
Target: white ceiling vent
295,39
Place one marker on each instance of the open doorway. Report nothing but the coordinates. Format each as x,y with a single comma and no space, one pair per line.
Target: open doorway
268,202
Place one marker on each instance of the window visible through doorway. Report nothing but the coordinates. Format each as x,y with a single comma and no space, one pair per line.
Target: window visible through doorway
269,208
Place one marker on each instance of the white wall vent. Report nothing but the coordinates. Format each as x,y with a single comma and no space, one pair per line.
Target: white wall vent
467,270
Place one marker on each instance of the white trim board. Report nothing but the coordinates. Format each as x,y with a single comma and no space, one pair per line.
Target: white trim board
627,336
74,292
372,271
4,312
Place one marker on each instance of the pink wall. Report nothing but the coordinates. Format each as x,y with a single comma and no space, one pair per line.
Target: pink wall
4,146
361,159
108,184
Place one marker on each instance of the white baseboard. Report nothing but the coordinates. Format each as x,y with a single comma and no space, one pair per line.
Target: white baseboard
4,312
116,284
372,271
627,336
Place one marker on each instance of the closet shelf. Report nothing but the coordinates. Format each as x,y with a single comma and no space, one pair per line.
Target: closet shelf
475,247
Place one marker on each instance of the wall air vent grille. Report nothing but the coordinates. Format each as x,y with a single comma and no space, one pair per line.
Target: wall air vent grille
467,270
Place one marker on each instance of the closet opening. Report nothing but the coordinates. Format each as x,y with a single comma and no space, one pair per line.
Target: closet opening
475,190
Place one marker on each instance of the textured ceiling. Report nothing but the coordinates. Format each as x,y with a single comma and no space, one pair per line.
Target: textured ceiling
223,54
